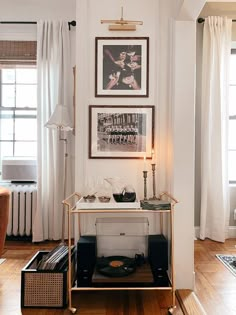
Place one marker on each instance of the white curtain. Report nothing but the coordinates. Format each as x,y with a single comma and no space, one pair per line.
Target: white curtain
214,218
54,87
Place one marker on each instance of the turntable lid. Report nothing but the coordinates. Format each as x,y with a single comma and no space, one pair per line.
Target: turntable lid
133,226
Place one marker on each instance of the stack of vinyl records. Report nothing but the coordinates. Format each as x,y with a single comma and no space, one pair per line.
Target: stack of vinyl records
56,259
155,205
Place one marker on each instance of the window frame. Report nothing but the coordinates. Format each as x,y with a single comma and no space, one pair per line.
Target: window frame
16,110
232,117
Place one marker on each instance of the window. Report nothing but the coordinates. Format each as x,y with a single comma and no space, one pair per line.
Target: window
232,119
18,111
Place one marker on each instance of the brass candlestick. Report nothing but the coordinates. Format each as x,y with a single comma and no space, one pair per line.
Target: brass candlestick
154,182
145,184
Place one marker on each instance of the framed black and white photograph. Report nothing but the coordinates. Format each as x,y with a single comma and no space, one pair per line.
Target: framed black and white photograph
121,66
121,131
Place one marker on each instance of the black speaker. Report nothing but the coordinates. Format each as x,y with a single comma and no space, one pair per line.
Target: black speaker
158,252
161,278
86,260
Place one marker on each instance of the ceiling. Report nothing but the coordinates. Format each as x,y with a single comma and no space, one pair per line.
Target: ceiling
219,9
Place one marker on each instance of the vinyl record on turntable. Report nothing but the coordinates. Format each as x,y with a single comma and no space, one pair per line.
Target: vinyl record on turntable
115,266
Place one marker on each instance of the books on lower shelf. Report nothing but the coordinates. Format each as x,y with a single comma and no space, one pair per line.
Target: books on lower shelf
56,259
155,205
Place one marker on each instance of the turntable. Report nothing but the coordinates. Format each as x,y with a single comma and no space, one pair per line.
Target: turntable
117,271
115,266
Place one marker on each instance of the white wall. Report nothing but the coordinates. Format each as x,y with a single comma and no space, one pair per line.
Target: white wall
183,146
32,10
89,15
172,93
89,27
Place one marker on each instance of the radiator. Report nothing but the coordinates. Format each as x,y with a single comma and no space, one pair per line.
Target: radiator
23,203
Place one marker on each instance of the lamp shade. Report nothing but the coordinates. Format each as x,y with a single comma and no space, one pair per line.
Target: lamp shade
60,119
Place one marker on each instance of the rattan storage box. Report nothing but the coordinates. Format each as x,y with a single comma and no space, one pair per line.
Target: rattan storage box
44,288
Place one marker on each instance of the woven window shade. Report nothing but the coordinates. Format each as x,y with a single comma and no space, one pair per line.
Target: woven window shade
18,52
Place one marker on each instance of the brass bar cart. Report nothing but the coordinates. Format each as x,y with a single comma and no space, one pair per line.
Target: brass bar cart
73,210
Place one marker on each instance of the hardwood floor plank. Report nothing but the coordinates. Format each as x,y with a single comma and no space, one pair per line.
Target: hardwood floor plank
209,298
115,302
189,303
150,300
215,284
90,303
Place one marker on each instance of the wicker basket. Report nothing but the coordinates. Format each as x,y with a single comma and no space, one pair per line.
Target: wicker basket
44,288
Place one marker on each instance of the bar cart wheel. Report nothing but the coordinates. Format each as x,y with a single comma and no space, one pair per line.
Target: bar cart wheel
171,310
73,310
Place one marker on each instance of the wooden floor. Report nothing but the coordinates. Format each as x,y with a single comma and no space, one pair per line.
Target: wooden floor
215,287
215,284
132,302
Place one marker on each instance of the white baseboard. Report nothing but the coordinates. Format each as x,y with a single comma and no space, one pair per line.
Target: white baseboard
231,232
197,232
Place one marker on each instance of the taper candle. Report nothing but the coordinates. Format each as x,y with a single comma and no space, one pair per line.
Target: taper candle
144,163
153,156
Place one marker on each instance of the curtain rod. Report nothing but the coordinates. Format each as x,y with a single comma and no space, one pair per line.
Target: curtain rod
202,20
72,23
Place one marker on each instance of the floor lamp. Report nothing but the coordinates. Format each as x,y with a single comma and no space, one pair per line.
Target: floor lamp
60,120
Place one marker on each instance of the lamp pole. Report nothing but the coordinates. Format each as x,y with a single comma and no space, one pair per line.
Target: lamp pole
60,120
64,182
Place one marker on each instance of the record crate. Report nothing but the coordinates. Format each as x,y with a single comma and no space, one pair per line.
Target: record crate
44,288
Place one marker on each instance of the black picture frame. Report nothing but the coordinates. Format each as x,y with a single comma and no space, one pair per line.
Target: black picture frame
121,66
121,132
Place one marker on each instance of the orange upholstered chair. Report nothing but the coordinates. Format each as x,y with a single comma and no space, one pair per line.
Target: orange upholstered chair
4,213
